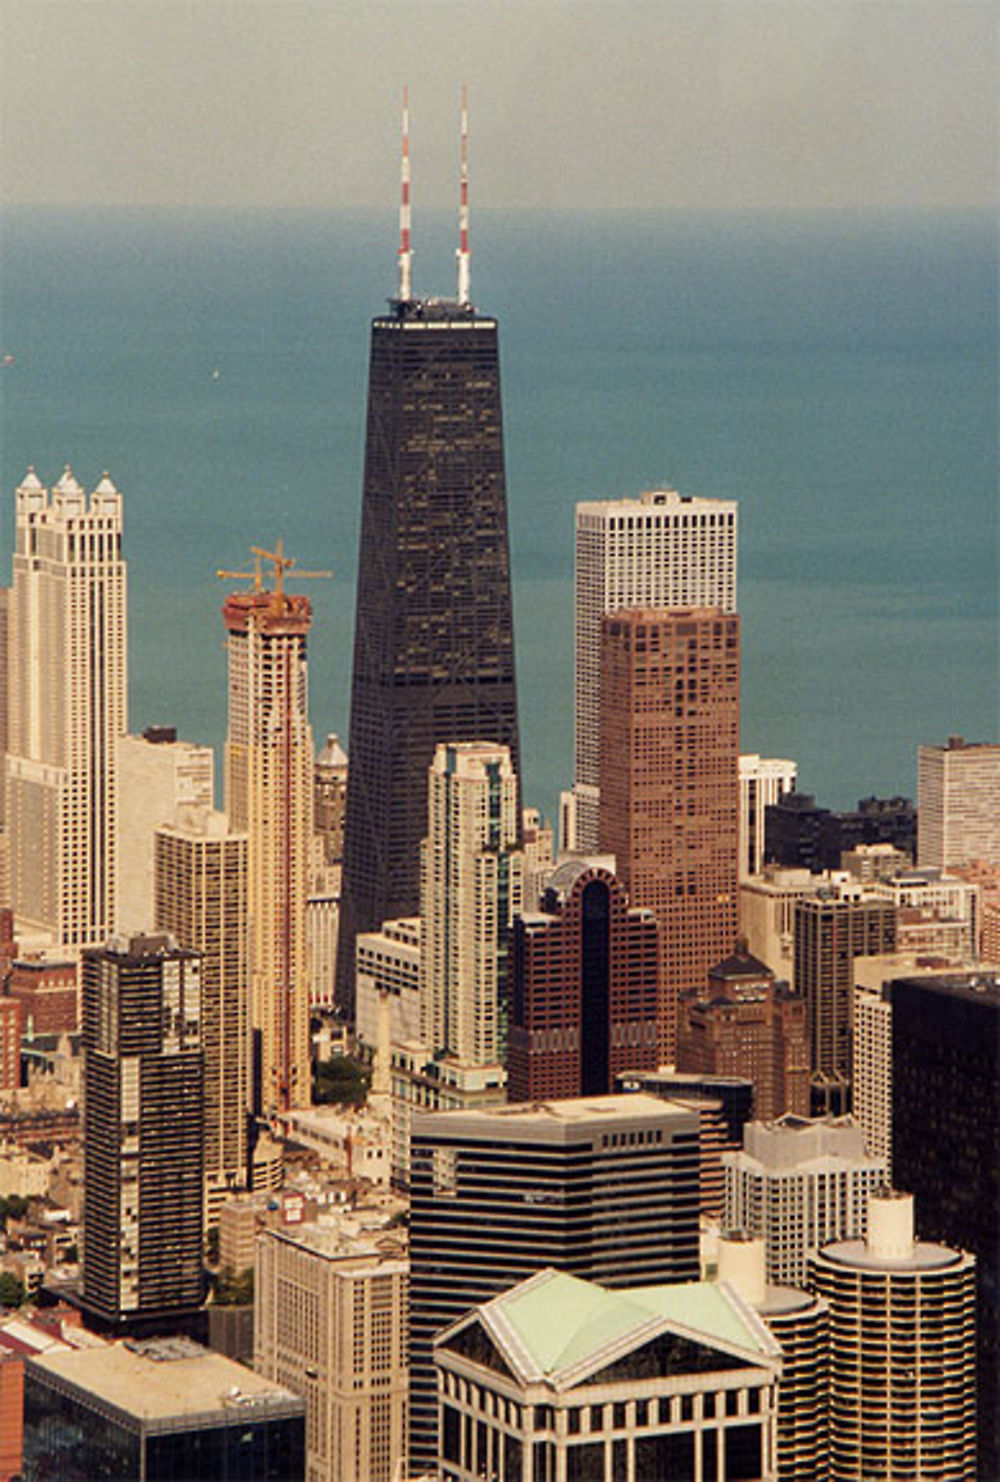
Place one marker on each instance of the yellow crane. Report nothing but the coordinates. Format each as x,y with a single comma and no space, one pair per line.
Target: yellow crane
281,562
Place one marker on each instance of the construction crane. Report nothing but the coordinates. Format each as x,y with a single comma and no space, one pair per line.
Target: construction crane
281,563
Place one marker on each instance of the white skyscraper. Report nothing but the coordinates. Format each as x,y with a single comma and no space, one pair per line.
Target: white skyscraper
68,707
660,550
471,884
763,780
958,796
798,1183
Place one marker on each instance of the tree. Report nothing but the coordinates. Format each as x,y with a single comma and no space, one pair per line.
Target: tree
11,1290
232,1290
341,1081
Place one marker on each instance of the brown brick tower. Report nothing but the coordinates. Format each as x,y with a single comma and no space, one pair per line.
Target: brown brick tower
670,701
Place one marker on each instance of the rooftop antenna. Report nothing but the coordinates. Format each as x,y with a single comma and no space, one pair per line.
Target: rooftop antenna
463,208
405,256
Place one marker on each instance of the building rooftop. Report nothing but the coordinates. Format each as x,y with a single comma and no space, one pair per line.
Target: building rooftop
584,1114
558,1328
166,1379
652,499
974,987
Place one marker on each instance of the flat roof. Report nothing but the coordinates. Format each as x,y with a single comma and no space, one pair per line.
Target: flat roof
586,1114
185,1380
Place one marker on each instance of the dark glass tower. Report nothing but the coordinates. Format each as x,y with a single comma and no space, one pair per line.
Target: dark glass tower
434,635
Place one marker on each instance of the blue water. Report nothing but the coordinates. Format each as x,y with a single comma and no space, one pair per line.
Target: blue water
838,377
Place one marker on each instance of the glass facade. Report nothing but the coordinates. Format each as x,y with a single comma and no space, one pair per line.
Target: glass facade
68,1440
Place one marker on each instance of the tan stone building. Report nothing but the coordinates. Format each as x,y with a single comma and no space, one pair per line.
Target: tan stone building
331,1324
201,897
68,699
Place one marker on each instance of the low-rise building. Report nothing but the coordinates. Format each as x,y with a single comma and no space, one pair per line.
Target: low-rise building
158,1408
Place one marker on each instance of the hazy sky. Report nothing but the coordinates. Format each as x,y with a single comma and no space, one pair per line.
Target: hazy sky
666,104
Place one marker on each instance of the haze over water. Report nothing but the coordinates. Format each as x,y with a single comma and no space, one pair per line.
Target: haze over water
837,376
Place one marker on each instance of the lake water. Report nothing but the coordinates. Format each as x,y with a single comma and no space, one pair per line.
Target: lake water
836,376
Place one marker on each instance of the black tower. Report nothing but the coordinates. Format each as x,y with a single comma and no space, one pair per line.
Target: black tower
434,631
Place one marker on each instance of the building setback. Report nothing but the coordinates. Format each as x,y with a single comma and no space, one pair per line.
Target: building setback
670,702
68,704
744,1024
605,1189
663,549
946,1144
143,1130
584,974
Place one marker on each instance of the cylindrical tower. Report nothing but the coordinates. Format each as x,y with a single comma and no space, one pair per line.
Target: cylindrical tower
902,1350
800,1322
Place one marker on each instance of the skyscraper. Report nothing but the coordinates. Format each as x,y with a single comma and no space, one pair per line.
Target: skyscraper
471,888
584,977
840,922
605,1188
663,549
763,780
670,701
143,1130
946,1143
958,798
201,897
434,635
68,706
269,796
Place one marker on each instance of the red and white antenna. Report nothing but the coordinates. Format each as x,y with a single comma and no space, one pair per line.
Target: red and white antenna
463,208
405,255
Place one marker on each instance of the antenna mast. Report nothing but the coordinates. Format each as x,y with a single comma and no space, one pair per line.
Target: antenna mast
463,208
405,256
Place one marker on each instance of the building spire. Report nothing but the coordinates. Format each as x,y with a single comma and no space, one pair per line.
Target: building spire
463,208
405,256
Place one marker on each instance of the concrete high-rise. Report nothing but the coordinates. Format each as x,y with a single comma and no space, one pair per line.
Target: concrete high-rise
143,1130
269,796
67,708
797,1184
470,891
958,801
605,1189
763,780
946,1143
670,717
663,549
330,1323
584,976
157,774
434,631
839,922
200,892
902,1351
